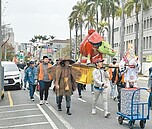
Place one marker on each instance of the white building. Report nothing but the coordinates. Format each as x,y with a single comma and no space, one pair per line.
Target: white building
130,32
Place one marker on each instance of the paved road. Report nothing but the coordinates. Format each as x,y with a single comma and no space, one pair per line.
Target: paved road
17,111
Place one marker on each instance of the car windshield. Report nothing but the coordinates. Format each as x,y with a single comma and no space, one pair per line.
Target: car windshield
10,67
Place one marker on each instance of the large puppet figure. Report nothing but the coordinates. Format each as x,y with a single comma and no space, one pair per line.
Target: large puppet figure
93,47
130,67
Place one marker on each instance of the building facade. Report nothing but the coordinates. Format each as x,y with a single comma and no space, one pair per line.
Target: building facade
130,33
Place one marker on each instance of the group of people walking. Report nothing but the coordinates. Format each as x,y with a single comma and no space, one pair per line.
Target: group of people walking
64,77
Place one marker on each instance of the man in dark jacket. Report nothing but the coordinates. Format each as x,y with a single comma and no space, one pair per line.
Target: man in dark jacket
31,77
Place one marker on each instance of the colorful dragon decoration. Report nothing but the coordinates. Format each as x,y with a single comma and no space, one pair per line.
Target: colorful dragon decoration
94,47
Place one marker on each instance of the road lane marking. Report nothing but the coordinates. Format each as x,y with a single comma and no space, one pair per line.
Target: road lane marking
19,105
66,124
10,99
24,125
99,109
47,117
20,117
33,109
82,100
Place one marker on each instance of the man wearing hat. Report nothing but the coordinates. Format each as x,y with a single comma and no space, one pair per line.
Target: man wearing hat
64,77
31,77
101,82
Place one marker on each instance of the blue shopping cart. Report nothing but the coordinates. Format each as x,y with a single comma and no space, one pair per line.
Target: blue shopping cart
139,111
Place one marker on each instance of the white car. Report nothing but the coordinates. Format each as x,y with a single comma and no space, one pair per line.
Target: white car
12,76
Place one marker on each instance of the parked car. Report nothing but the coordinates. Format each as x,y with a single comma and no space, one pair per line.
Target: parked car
12,76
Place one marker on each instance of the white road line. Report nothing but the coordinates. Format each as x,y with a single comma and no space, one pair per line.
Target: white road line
17,105
33,109
66,124
20,117
82,100
24,125
99,109
47,117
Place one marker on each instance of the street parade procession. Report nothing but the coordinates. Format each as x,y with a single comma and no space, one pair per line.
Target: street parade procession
76,64
91,68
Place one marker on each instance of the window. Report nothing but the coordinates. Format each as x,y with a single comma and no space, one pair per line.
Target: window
144,43
144,24
131,28
151,22
127,29
135,28
150,42
127,45
147,23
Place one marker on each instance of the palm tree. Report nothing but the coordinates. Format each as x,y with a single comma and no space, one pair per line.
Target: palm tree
52,37
103,25
71,25
122,30
96,6
89,19
33,40
129,7
76,19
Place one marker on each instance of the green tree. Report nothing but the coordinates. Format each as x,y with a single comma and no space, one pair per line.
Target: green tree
95,5
103,25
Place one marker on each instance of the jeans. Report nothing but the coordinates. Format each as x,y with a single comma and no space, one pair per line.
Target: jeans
59,99
79,86
67,98
113,92
44,89
32,90
92,87
104,94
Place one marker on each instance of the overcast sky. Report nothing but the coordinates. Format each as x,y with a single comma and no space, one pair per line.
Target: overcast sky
34,17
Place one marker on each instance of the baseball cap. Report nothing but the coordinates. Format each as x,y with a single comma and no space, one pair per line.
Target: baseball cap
31,62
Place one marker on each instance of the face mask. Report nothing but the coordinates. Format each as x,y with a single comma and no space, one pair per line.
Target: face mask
114,62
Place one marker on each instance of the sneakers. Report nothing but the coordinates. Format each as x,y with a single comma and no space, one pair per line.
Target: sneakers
32,98
41,102
107,114
93,111
45,101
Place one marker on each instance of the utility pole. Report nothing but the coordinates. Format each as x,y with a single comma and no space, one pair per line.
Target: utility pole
1,68
140,46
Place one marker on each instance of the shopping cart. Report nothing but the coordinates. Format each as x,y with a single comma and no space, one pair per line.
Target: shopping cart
141,113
